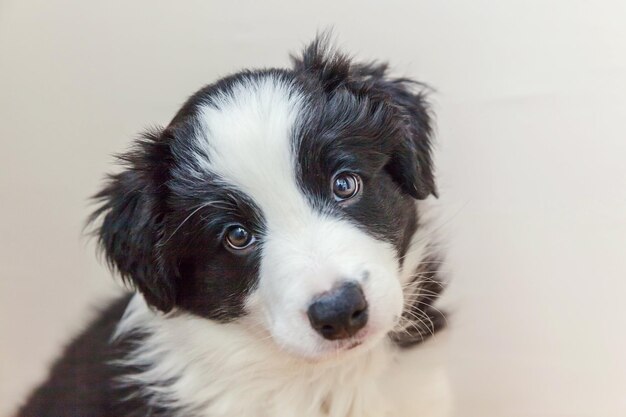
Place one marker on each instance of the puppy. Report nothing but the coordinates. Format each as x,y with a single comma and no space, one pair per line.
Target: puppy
278,240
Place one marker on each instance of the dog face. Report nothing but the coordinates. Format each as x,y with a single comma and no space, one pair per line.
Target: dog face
283,200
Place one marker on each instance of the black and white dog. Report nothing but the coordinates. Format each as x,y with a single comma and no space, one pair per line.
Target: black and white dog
277,233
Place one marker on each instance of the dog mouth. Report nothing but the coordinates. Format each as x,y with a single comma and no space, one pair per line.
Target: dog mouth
354,344
350,344
346,345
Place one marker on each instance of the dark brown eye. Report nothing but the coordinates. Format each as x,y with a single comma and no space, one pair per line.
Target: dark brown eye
346,185
238,237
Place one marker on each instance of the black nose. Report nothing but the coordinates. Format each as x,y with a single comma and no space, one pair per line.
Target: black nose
339,313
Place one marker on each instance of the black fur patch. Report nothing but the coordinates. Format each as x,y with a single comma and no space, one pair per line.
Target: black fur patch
360,120
402,122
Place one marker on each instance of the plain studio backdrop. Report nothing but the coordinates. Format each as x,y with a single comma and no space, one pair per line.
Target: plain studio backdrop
531,105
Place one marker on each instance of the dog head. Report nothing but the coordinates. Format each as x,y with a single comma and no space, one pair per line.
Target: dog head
282,198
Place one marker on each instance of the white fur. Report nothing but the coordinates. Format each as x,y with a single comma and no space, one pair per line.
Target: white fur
206,369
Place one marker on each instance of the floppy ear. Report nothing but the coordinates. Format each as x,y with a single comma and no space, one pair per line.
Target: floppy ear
132,212
411,162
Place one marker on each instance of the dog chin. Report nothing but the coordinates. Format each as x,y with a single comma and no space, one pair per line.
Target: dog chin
333,350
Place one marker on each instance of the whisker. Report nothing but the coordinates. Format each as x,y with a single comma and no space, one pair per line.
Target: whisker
187,218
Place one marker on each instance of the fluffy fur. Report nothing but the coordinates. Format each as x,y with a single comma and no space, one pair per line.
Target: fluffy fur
217,331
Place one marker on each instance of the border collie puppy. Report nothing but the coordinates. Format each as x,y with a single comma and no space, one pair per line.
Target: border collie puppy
277,236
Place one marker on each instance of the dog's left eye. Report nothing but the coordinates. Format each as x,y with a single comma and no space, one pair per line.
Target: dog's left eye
346,185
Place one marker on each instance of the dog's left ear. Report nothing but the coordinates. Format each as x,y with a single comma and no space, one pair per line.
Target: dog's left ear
411,162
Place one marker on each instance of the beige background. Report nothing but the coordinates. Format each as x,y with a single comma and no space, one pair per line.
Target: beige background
531,110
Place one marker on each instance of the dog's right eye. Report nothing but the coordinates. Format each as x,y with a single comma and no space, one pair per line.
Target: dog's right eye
238,237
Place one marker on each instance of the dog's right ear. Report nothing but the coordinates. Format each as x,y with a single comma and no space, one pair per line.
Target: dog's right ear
132,211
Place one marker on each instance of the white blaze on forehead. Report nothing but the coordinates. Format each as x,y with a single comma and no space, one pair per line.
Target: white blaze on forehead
248,142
